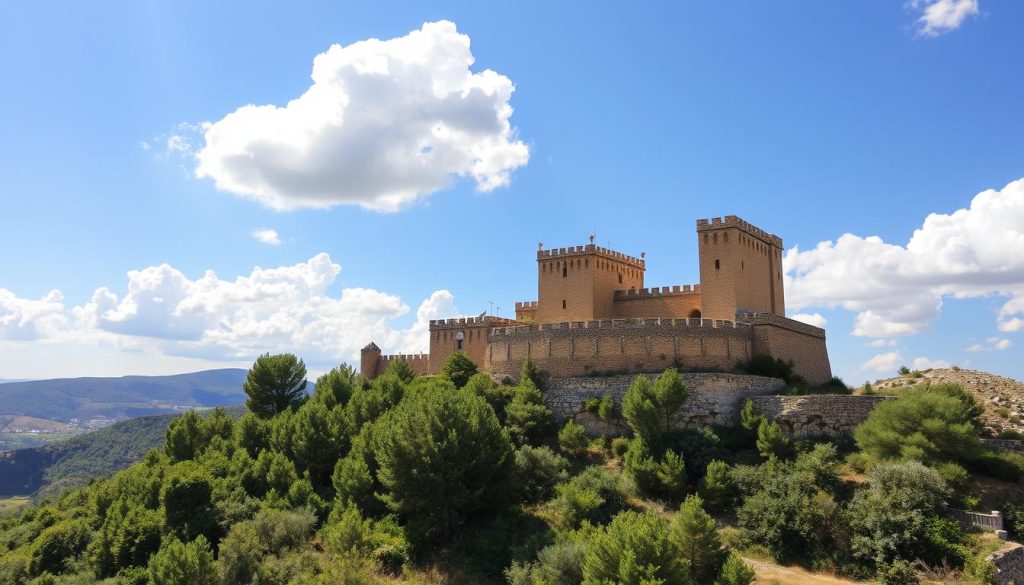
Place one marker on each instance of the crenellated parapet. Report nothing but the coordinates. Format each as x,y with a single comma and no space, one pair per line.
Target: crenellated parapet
463,322
590,249
734,221
664,291
617,324
526,305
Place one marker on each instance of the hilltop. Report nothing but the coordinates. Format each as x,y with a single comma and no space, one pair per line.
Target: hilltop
1003,398
64,399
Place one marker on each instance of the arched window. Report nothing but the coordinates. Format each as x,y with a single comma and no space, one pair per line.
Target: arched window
695,314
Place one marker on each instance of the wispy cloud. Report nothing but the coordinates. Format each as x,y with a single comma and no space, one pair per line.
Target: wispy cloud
942,16
267,236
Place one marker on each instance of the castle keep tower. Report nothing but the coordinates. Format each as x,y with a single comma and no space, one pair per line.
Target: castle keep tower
579,283
740,269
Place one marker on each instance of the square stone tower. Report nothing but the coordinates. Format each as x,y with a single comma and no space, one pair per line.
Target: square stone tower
579,283
740,269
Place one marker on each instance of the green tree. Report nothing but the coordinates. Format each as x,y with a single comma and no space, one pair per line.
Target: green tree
932,425
716,488
693,532
368,404
335,387
320,438
634,549
890,518
749,418
538,470
185,437
401,368
458,368
57,544
649,406
671,475
529,372
186,497
178,563
572,439
443,457
735,572
275,383
252,434
527,419
771,442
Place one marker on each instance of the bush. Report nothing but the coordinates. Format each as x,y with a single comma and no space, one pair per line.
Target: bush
619,446
634,550
178,563
538,470
771,442
735,572
933,424
595,495
1002,466
898,572
572,439
716,488
527,419
57,544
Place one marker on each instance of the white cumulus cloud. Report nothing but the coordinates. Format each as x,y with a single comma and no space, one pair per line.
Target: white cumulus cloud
267,236
899,289
923,363
991,344
941,16
815,319
281,309
884,362
384,123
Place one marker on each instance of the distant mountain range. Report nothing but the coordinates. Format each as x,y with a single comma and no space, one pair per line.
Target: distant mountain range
51,469
64,399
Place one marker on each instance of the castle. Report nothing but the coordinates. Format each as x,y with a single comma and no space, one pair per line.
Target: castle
594,315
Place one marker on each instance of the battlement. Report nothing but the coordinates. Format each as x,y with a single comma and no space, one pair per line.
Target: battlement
780,321
409,357
618,324
470,321
590,249
665,291
734,221
526,305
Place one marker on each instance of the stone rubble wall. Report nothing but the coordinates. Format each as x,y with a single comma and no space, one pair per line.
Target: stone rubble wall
819,415
714,399
1009,563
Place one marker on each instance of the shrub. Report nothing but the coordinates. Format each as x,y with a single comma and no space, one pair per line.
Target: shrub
527,419
898,572
735,572
619,445
57,544
771,442
538,470
186,497
572,439
749,419
529,372
716,488
634,550
595,495
933,424
178,563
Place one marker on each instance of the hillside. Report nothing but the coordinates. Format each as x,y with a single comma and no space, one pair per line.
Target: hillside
64,399
1003,398
50,469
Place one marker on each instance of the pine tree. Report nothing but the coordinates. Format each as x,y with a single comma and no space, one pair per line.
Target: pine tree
572,439
459,368
771,441
275,383
716,488
320,437
693,532
735,572
529,372
649,407
335,387
401,368
178,563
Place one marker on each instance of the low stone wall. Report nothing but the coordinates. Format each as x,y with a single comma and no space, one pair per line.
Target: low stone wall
714,399
989,522
1008,445
1009,564
818,415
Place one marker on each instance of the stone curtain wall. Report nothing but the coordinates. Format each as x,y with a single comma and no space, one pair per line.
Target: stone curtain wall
1009,563
822,415
713,398
785,338
582,348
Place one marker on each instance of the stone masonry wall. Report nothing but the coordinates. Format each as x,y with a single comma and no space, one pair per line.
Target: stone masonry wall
824,415
1009,563
582,348
713,398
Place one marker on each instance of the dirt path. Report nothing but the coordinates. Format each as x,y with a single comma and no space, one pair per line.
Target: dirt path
769,573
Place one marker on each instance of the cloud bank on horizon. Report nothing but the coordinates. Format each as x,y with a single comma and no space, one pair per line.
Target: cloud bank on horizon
898,290
384,124
287,308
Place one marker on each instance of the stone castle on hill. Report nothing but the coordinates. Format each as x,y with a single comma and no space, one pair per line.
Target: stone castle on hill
594,315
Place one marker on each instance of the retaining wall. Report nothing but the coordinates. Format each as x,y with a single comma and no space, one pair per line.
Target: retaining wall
819,415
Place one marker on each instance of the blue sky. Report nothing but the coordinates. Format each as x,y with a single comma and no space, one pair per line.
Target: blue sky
130,165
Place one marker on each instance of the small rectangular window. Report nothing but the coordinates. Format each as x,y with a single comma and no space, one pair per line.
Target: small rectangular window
563,303
717,265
